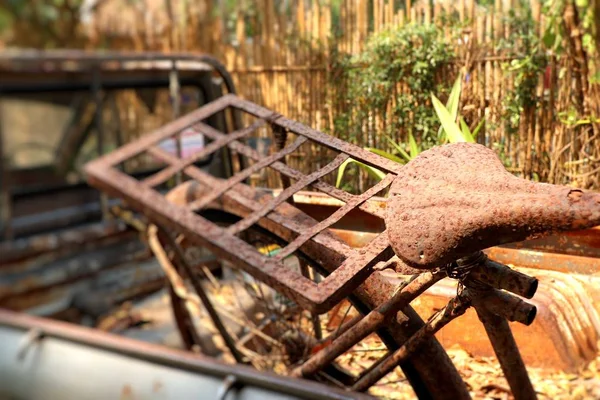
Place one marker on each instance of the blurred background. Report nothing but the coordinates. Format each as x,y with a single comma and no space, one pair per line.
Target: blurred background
364,70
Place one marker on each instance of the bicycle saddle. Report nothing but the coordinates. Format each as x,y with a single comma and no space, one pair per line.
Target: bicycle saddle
456,199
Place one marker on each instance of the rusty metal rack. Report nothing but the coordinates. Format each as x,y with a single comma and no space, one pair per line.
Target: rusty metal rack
317,297
418,244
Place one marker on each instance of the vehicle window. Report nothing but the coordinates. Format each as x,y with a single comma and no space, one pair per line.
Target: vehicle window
128,114
57,129
33,126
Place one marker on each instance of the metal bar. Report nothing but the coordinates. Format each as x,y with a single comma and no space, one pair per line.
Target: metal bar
354,269
508,354
141,144
507,305
244,174
455,308
500,276
280,167
439,380
314,297
173,358
314,317
329,141
166,173
108,84
288,282
286,194
99,122
281,135
175,92
241,200
6,231
369,324
335,217
214,316
183,320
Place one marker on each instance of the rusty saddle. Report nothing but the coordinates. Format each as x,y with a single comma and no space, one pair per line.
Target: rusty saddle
456,199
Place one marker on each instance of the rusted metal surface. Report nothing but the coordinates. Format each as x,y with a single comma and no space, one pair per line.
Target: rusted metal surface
563,335
584,243
455,199
436,380
546,257
545,260
374,209
455,308
53,366
316,297
358,227
508,306
424,227
501,277
508,354
20,250
552,341
369,324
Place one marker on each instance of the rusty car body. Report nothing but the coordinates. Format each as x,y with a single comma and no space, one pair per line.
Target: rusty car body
49,216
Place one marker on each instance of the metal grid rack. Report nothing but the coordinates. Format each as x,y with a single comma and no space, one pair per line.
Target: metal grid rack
142,195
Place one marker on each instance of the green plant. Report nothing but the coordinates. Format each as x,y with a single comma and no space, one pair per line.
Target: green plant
411,57
449,132
528,63
570,118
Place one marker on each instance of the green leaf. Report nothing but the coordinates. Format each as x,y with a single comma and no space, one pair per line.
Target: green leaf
414,149
450,127
453,100
478,128
464,127
385,154
341,170
375,173
398,148
549,38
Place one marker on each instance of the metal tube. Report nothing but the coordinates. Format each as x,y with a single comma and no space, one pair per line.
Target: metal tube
369,324
455,308
175,91
98,121
280,134
6,231
164,356
506,305
187,270
183,320
508,354
500,276
315,320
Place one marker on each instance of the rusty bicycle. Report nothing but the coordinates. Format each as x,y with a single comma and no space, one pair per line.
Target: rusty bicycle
443,208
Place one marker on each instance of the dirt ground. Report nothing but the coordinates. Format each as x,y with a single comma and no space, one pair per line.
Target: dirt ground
485,380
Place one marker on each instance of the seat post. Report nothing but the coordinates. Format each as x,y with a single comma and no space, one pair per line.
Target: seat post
482,282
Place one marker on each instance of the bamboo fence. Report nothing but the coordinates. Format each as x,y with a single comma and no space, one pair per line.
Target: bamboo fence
280,53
